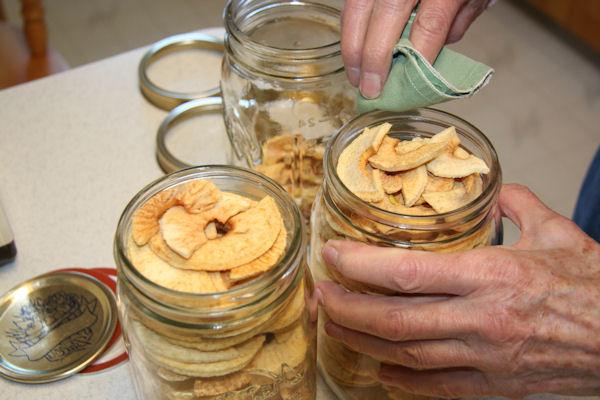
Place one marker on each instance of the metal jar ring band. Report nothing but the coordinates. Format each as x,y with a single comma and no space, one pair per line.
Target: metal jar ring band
167,99
167,161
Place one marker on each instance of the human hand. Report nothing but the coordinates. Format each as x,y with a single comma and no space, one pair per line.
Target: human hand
371,28
514,320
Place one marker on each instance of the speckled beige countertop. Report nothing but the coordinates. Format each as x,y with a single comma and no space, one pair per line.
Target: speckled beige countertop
74,149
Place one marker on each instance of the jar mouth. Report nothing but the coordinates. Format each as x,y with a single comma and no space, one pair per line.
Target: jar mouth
240,295
420,116
232,15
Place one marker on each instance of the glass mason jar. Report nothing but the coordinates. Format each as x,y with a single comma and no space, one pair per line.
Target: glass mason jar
284,88
339,214
256,340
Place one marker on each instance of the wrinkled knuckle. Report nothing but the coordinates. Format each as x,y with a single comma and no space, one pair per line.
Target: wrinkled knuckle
431,21
393,325
405,277
498,326
412,356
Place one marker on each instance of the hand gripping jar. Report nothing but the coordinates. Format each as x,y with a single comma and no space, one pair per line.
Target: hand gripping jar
284,88
339,214
255,339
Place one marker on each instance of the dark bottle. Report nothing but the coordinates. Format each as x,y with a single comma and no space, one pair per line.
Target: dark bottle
8,250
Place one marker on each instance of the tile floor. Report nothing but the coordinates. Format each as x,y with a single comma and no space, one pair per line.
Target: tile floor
541,110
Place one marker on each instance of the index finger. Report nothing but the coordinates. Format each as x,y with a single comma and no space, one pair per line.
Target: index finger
432,25
406,271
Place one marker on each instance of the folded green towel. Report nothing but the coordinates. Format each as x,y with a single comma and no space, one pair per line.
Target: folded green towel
413,82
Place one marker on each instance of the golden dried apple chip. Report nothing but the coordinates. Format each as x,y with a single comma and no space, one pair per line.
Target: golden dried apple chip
251,233
448,166
228,206
183,232
381,132
355,172
208,387
473,185
406,146
391,161
461,153
447,201
158,345
413,185
246,351
392,183
437,184
144,224
447,136
155,269
198,195
287,348
263,263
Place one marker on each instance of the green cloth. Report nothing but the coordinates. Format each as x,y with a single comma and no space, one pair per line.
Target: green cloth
413,82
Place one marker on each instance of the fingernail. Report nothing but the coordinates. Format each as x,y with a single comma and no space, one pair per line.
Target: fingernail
319,296
330,254
354,76
370,85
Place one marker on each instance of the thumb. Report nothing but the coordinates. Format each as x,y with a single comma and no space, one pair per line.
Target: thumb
519,204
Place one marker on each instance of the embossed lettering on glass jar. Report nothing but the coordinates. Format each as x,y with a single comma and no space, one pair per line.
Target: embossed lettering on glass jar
339,214
256,339
284,88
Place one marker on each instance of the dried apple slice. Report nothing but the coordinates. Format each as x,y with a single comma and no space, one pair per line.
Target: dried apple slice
355,172
443,202
390,161
144,223
448,136
183,232
461,153
381,132
437,184
263,263
392,183
413,185
251,234
228,206
448,166
406,146
473,185
198,195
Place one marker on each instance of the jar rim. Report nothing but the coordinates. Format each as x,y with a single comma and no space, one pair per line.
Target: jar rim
425,114
327,50
286,265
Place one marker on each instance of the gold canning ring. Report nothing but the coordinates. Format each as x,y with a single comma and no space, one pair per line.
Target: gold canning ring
167,161
164,98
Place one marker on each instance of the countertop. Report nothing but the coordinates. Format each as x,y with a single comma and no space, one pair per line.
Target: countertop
74,149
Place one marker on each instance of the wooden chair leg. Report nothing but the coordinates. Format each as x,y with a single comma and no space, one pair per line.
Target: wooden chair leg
2,13
34,26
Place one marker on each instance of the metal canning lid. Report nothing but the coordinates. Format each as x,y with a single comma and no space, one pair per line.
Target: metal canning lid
53,326
195,108
164,98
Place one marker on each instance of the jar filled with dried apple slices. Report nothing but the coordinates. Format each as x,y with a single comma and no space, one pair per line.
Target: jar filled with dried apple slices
284,88
424,180
214,294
